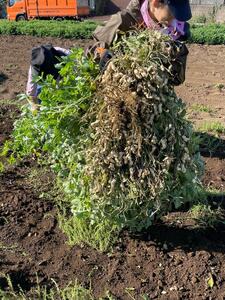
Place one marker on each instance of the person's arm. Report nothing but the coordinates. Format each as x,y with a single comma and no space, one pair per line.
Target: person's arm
31,89
179,65
122,21
64,51
186,33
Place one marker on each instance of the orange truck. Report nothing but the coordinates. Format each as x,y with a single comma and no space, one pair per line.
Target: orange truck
18,10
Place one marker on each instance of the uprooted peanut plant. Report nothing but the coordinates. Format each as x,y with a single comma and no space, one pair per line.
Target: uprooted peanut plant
119,142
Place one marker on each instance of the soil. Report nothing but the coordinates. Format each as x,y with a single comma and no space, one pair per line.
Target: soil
173,260
7,117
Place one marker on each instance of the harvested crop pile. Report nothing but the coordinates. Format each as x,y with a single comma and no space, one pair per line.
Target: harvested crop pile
120,144
143,159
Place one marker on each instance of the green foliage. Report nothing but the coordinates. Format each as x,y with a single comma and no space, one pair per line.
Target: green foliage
100,236
206,216
220,86
120,144
214,127
207,34
65,29
212,34
73,291
60,134
201,108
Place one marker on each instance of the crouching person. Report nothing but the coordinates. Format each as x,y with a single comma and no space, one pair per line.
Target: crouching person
43,63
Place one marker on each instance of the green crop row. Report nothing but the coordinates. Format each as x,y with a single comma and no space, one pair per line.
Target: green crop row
211,34
41,28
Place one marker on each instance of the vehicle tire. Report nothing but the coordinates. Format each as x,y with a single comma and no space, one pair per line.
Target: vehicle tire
21,18
59,19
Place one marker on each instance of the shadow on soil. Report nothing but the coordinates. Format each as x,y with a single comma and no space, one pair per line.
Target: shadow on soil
207,239
169,237
18,279
3,77
211,146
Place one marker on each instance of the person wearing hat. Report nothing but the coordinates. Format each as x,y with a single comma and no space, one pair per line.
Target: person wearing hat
168,16
43,61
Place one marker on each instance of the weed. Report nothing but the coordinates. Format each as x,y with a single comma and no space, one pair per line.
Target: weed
2,167
8,248
202,108
206,216
213,191
73,291
214,127
99,236
220,86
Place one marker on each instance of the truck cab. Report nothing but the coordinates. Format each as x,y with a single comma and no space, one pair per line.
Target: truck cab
47,9
16,10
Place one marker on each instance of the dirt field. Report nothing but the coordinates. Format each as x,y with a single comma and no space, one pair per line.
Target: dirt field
173,260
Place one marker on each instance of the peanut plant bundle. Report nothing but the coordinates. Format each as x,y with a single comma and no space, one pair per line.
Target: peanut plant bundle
143,160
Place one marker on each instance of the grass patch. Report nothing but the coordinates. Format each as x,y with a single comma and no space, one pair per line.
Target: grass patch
201,108
220,86
70,292
214,127
73,291
205,216
41,28
6,102
214,192
101,237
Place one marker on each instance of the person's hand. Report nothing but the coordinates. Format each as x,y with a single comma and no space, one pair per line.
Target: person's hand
105,56
100,55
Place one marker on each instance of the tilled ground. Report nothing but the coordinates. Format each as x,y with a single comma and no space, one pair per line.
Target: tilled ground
173,260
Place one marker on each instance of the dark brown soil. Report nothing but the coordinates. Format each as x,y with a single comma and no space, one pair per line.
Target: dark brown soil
7,117
173,260
174,256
